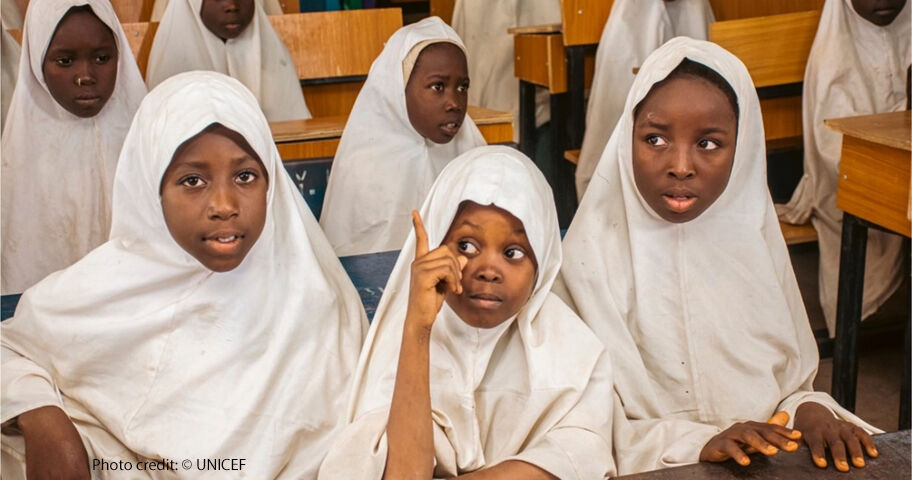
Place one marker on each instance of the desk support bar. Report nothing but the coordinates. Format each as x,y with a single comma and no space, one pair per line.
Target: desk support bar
848,309
576,73
527,138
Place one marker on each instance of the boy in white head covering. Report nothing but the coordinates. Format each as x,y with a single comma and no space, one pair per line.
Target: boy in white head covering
495,374
77,89
215,323
858,65
483,26
634,29
408,122
676,261
233,37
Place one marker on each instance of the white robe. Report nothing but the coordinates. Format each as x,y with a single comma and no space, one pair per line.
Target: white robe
384,167
257,57
155,356
57,168
530,389
482,25
634,29
854,68
703,319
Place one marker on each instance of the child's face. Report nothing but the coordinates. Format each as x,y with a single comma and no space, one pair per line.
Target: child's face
436,94
80,66
213,196
878,12
500,273
684,136
227,18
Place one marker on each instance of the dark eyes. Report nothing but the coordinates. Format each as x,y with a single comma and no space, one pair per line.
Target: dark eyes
243,178
514,253
68,61
656,141
467,247
191,181
246,177
64,61
102,59
439,87
707,144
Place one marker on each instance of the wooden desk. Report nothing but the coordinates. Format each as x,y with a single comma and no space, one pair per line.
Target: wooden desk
873,191
319,137
892,463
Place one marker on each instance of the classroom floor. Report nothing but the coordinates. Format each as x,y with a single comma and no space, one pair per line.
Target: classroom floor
880,345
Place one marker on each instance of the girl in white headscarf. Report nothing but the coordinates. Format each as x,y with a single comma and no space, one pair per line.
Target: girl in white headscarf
501,375
164,344
407,123
271,7
483,25
233,37
676,261
857,66
62,136
634,29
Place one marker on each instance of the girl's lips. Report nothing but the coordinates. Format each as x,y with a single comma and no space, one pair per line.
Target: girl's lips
679,203
450,128
224,243
485,301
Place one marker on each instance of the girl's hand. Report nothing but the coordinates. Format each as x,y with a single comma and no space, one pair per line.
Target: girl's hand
740,439
433,275
822,431
53,447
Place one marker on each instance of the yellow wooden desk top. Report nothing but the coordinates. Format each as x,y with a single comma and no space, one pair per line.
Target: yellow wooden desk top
874,171
891,129
551,28
331,127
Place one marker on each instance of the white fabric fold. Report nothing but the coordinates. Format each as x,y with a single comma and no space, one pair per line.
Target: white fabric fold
536,388
384,167
158,357
635,28
854,68
9,69
57,168
257,57
703,319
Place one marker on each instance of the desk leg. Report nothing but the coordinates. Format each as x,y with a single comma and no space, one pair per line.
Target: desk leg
527,137
576,84
848,309
562,171
905,415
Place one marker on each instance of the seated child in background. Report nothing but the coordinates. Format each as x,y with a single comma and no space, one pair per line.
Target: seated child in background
858,65
676,261
233,37
271,7
634,29
77,90
483,25
495,374
215,323
408,122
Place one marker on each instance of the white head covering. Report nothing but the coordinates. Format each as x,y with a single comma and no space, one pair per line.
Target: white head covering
173,360
383,167
58,168
257,57
634,29
9,68
271,7
854,68
703,319
483,25
531,389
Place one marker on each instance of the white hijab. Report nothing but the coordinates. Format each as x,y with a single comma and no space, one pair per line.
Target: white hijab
855,68
634,29
271,7
704,320
383,167
533,388
158,357
57,168
482,25
257,57
9,69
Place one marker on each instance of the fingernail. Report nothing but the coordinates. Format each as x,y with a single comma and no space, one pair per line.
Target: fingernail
874,452
745,461
859,462
772,450
842,465
791,445
820,462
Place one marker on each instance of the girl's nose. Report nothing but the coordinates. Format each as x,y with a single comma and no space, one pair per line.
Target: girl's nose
84,78
681,165
231,6
488,272
223,203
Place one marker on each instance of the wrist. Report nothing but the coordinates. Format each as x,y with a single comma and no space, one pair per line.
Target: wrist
39,417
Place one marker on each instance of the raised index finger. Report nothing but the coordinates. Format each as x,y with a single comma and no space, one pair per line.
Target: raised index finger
421,241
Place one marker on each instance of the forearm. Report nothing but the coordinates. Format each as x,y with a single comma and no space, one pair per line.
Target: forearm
409,429
509,469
